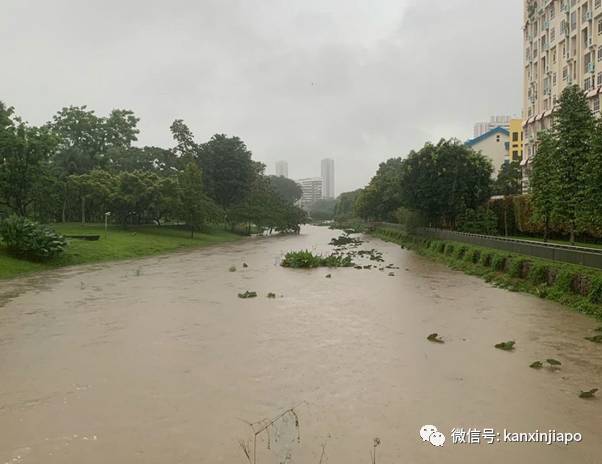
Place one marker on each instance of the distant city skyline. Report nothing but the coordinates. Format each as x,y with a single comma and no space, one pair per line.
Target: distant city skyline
282,168
327,174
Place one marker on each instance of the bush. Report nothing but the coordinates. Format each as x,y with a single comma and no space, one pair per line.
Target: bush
538,274
595,294
564,280
498,262
517,267
480,221
29,240
475,256
486,259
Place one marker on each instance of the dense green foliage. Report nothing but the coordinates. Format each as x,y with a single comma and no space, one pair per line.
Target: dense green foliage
306,259
29,240
566,179
79,166
345,204
323,209
439,182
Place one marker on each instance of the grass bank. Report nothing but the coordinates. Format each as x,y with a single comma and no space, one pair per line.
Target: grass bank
118,244
577,287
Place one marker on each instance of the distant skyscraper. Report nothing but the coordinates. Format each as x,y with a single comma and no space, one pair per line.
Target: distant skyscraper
282,168
328,178
495,121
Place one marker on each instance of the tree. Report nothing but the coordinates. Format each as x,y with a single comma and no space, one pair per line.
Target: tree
24,155
195,207
441,181
186,148
229,173
593,179
322,209
544,180
571,133
382,196
508,182
289,190
345,204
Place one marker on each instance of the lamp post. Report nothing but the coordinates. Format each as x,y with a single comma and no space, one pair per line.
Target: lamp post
107,214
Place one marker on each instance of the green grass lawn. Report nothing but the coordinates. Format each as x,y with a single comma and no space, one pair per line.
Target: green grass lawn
119,244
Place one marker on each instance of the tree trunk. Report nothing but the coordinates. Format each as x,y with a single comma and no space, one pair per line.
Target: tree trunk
83,210
191,232
505,219
64,211
546,225
572,237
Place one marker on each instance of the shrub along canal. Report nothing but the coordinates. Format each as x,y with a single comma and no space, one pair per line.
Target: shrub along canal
159,360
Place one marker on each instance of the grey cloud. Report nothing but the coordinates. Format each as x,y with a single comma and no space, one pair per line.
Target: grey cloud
297,80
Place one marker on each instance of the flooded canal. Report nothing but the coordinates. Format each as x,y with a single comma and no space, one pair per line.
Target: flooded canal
159,361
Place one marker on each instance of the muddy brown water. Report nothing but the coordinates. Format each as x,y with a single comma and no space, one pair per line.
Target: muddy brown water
159,361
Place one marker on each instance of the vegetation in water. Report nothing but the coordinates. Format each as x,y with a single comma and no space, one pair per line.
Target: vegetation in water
434,337
271,295
588,394
536,365
506,346
306,259
247,294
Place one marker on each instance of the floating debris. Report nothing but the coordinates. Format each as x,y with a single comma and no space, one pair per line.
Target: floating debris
391,274
247,294
232,269
536,365
328,276
245,265
595,339
588,394
553,362
506,346
434,337
271,295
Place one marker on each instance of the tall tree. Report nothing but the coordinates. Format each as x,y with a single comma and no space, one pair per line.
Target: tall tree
289,190
544,180
229,173
24,155
195,207
571,131
441,181
508,182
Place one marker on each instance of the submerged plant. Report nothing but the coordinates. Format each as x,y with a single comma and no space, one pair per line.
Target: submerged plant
247,294
595,339
588,394
434,337
271,295
553,362
536,365
232,269
506,346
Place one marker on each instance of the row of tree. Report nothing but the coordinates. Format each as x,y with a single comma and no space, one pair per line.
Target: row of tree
566,175
80,166
439,182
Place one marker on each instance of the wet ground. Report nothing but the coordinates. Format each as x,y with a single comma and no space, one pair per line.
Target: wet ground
159,361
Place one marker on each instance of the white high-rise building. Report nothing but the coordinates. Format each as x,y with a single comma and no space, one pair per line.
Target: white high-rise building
328,178
312,190
481,128
282,168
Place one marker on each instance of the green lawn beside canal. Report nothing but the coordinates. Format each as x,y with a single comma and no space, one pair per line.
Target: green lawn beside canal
118,244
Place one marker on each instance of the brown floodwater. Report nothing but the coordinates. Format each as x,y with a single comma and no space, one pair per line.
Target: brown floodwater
158,361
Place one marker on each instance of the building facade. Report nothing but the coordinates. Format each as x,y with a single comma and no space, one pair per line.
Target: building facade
327,178
282,168
494,145
562,46
481,128
515,152
312,190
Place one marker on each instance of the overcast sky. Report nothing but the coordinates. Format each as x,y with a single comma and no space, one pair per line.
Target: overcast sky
298,80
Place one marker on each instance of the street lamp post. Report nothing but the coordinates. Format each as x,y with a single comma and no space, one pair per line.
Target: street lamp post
107,214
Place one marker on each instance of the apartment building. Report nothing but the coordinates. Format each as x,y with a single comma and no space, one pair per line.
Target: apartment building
562,46
515,151
282,168
312,190
327,174
481,128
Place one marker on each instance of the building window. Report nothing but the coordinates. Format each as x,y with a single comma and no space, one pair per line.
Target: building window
514,155
599,81
515,136
597,3
596,105
600,54
587,84
497,138
565,73
599,26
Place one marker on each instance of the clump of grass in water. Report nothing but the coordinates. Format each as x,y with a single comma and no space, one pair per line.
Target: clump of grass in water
434,337
506,346
247,294
306,259
232,269
271,295
588,394
345,239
